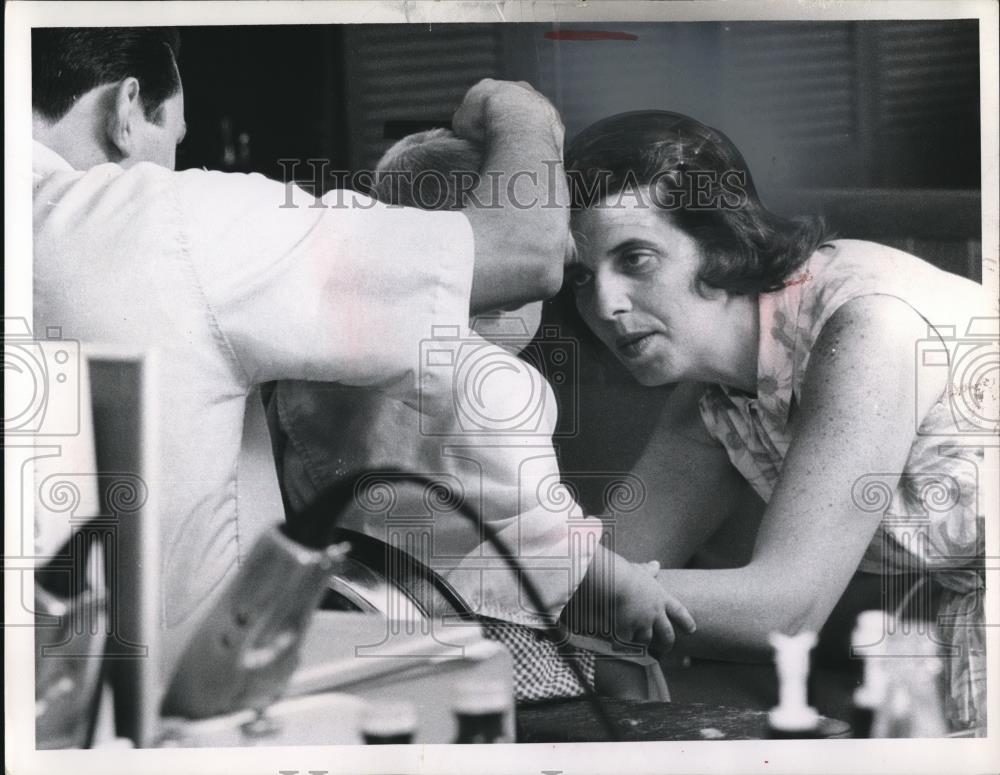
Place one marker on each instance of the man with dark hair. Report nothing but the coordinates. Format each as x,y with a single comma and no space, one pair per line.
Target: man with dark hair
86,87
232,289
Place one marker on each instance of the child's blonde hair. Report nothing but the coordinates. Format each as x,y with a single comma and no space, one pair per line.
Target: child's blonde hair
431,170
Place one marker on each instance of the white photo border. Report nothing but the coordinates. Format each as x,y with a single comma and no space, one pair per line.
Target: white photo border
830,756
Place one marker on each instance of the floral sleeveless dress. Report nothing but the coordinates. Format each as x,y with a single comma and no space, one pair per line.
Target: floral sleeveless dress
933,522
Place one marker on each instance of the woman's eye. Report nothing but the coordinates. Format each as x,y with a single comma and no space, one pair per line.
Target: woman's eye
634,261
580,278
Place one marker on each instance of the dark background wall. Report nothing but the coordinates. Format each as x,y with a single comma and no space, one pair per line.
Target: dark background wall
811,104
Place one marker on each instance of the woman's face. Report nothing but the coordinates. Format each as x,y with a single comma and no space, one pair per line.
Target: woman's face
635,281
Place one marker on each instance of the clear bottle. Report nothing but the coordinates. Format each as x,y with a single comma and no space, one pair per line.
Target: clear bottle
928,717
868,641
793,718
912,706
480,712
388,722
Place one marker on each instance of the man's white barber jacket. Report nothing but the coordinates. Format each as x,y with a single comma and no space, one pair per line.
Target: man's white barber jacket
231,289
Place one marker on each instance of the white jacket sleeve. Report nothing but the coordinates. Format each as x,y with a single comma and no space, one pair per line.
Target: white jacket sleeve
341,293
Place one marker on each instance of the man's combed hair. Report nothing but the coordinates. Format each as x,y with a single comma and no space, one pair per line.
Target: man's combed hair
66,63
696,175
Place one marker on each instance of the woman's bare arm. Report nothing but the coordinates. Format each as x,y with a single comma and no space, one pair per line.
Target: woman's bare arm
690,486
856,418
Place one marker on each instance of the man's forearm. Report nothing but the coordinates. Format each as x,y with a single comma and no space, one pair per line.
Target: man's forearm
520,219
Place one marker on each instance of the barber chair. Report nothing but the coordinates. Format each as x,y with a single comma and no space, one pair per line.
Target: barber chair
376,577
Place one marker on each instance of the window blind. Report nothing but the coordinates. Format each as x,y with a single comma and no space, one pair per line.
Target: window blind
411,73
928,74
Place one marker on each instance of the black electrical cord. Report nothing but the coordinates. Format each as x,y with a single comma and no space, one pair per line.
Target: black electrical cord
313,527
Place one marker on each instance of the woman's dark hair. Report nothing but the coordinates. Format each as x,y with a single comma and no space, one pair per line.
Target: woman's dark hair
67,62
696,174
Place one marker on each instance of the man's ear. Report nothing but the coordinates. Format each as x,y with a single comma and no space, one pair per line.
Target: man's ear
125,110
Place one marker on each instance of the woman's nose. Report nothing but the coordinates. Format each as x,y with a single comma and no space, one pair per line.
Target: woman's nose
610,297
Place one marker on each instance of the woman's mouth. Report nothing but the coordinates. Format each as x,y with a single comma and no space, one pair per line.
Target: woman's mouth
633,346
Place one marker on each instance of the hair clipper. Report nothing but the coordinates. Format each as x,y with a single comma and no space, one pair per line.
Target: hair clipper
248,647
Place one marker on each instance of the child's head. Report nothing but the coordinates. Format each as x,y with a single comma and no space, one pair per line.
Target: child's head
431,170
435,170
